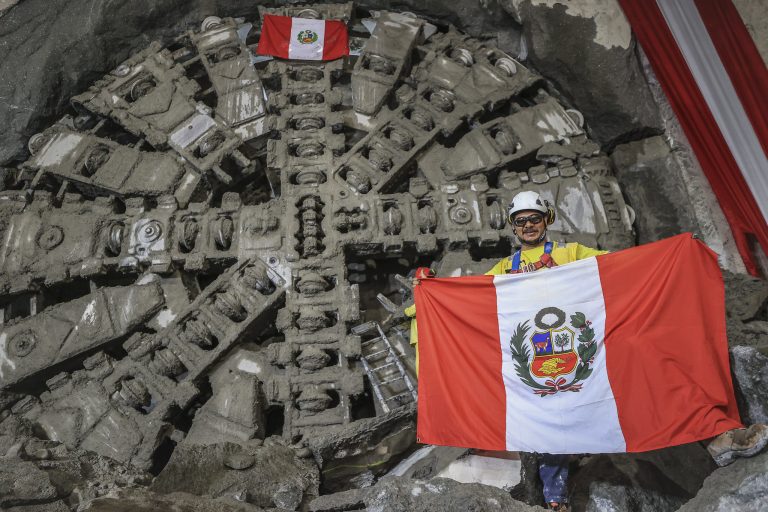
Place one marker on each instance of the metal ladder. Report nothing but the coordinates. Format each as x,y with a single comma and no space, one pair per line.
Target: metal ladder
385,377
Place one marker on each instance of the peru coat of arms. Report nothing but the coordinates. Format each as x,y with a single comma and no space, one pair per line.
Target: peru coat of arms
554,357
307,36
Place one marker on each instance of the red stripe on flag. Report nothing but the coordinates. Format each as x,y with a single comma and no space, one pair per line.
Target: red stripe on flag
666,346
462,401
741,60
336,43
698,123
275,36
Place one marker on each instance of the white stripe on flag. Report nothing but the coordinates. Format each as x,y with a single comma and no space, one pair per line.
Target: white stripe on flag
702,58
307,39
584,421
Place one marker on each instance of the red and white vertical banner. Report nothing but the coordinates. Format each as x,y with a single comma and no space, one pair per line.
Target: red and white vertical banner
623,352
303,39
716,83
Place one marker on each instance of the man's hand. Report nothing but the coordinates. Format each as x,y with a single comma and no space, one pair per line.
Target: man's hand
422,273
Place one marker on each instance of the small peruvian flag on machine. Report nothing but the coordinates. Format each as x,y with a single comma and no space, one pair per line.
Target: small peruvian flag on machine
303,39
619,352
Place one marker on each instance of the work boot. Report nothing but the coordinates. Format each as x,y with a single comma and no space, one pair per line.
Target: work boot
739,442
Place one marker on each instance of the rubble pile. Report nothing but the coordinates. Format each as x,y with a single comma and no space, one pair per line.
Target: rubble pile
202,260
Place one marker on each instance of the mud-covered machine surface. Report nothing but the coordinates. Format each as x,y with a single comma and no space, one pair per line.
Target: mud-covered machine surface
213,246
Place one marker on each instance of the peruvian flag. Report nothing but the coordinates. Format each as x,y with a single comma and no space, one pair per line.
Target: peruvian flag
716,81
303,39
624,352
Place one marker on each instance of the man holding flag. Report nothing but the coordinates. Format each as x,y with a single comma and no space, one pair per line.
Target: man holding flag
559,387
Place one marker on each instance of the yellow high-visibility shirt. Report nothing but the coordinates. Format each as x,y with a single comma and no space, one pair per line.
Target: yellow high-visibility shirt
561,254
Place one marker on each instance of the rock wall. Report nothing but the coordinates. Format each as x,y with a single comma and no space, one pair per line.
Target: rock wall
52,49
702,205
753,14
5,5
586,48
651,176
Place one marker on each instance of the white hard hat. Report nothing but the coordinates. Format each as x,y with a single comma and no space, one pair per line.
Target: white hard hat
529,200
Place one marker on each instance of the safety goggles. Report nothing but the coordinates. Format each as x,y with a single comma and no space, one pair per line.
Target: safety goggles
533,219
